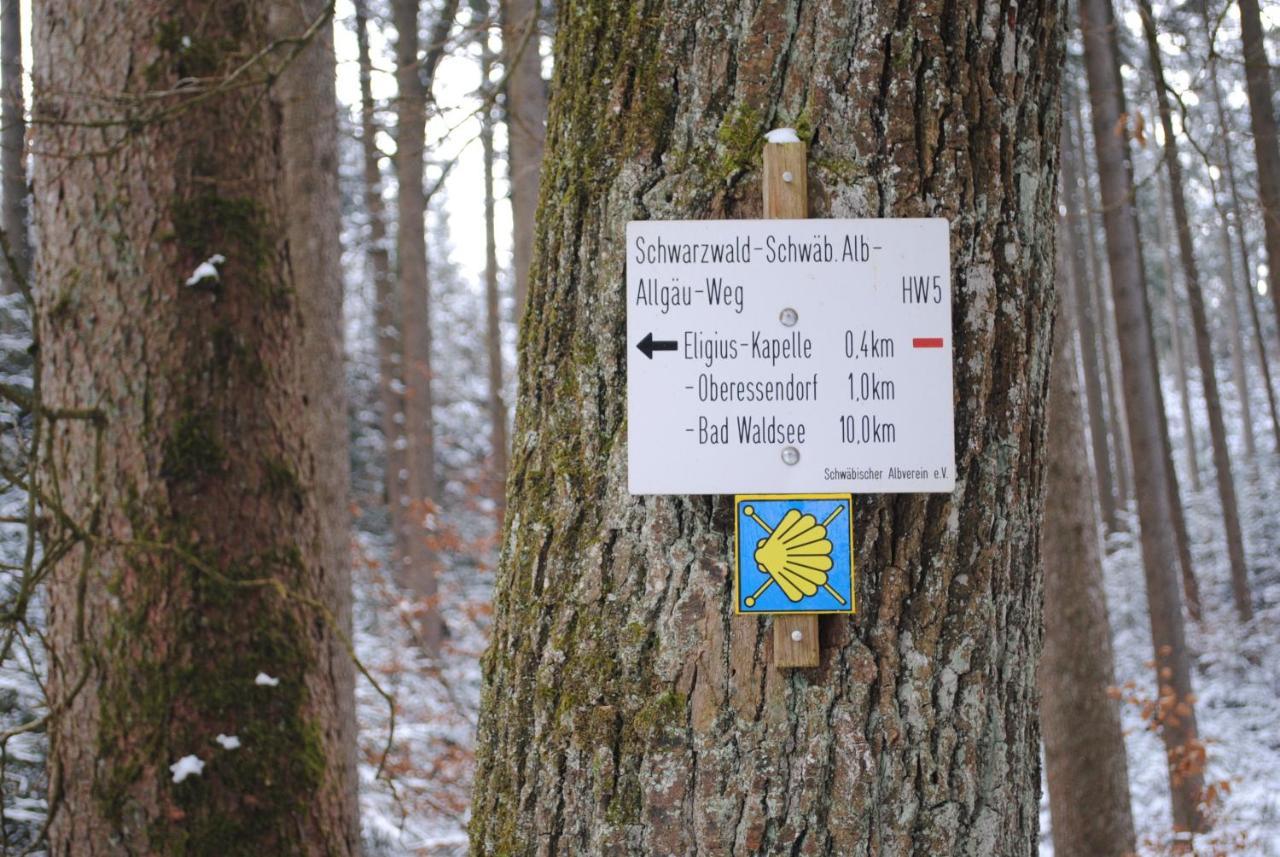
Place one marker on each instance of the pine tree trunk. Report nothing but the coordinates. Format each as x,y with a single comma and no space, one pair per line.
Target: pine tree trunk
222,462
1200,327
1142,399
1098,277
1229,168
305,96
526,129
1179,351
1086,315
1085,764
1266,141
386,315
417,573
627,710
493,310
1239,342
13,131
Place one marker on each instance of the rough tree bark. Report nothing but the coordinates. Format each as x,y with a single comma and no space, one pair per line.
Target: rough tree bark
1085,764
414,75
386,315
223,454
13,132
493,307
626,709
1148,449
1200,328
1266,141
1086,322
526,103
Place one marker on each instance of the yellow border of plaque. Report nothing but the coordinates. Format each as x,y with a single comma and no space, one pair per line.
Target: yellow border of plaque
738,501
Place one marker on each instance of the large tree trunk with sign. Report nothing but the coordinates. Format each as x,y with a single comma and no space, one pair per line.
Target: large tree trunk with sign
627,710
209,494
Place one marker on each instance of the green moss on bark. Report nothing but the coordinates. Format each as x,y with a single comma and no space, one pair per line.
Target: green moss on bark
193,450
156,708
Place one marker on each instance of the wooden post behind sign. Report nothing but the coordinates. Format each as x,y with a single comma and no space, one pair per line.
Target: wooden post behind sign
786,196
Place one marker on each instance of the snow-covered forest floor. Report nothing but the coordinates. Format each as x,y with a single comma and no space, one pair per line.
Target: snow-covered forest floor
418,803
1236,666
1237,681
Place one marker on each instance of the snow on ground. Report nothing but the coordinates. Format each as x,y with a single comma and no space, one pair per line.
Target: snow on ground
420,803
1236,668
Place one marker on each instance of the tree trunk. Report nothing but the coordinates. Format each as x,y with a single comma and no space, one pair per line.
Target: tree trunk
1200,327
1098,278
413,76
1084,753
386,315
1086,316
1150,461
526,129
216,499
306,98
1266,143
627,710
493,308
1239,342
1229,168
1181,371
13,131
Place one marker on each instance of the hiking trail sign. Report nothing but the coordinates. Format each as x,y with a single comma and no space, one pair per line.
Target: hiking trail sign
789,356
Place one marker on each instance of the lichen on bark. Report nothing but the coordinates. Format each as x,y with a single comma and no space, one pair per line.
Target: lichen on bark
626,710
214,505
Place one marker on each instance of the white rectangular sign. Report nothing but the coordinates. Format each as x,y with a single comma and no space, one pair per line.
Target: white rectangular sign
789,355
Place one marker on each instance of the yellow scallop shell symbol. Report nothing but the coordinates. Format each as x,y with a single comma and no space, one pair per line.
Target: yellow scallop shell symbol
796,555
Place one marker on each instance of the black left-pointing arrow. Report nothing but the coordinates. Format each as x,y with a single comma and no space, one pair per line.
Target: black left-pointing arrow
648,345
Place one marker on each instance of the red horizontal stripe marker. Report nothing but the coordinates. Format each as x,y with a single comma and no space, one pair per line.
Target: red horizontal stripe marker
927,342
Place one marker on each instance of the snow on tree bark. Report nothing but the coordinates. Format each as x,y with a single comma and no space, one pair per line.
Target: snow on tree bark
627,710
221,420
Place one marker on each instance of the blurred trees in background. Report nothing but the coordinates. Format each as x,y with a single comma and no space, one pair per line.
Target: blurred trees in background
186,477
